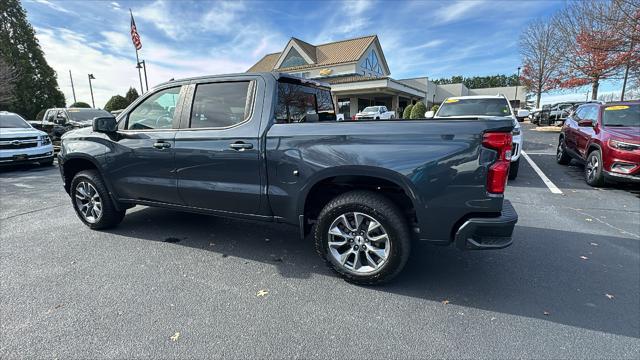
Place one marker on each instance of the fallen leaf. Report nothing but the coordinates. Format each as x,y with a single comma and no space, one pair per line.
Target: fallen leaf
609,296
594,244
584,257
175,336
589,219
493,318
262,293
445,302
546,313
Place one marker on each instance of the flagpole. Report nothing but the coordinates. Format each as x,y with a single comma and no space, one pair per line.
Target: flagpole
137,57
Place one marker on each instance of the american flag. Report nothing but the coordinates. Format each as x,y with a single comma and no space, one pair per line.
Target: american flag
135,37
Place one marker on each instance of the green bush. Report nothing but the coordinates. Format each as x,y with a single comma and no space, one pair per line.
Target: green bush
435,108
407,112
116,102
80,104
418,110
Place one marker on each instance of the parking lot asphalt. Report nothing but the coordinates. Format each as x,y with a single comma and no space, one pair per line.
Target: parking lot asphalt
168,284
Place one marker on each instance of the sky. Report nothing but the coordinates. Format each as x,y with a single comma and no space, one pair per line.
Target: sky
192,38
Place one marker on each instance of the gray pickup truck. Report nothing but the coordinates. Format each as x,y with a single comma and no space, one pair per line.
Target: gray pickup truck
57,121
267,146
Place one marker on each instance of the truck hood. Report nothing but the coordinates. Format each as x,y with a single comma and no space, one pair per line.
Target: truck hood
367,113
79,132
629,133
19,132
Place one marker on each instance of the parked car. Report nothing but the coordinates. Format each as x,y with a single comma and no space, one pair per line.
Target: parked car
375,113
21,143
521,114
606,138
58,121
484,107
235,148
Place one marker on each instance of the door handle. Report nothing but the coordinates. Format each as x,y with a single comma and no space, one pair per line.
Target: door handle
162,145
240,146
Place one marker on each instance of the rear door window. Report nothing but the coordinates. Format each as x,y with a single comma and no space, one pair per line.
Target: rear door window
221,105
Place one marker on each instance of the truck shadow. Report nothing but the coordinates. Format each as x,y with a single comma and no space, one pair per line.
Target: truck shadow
541,276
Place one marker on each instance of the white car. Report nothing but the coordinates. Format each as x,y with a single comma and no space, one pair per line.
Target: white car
485,106
375,113
21,143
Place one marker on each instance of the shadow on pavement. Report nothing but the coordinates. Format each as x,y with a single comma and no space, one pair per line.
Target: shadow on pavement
513,281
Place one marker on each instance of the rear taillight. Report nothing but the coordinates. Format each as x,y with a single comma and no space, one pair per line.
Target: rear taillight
499,170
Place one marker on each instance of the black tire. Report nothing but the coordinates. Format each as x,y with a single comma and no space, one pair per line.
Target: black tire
386,213
48,162
593,173
377,118
562,157
513,169
110,216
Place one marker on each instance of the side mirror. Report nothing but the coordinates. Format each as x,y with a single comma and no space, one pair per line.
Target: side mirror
429,114
105,124
523,113
585,123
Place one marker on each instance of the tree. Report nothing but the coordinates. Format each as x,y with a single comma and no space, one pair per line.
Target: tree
117,102
540,58
131,95
8,76
418,110
591,44
477,82
80,104
435,108
406,114
40,114
35,86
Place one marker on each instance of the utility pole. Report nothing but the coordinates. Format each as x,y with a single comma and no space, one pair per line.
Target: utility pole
73,90
91,89
517,84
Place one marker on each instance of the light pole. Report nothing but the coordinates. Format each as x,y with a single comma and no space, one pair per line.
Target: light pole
144,67
517,84
72,88
91,89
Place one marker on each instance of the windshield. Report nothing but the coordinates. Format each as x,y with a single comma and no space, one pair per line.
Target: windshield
86,114
621,115
370,109
474,107
13,121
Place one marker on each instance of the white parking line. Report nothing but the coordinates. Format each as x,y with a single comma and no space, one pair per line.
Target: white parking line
552,187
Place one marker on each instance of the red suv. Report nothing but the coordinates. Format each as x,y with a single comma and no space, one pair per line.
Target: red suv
606,138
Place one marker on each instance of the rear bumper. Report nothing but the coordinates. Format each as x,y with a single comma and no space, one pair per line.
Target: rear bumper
488,233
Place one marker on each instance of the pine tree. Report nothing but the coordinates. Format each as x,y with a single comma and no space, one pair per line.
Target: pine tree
35,86
131,95
117,102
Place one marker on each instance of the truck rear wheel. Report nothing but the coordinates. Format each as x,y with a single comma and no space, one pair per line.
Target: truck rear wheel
363,236
92,201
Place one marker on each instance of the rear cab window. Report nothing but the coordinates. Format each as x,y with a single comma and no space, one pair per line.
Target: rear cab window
302,103
474,107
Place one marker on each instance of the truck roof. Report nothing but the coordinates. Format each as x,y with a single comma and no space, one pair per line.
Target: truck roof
477,97
275,74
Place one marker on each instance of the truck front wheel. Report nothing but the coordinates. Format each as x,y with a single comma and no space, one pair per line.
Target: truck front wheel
363,236
92,201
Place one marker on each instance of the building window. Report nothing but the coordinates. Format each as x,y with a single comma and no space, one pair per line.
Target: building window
371,63
293,58
344,107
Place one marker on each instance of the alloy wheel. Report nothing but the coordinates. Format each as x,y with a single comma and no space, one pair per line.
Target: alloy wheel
88,202
559,151
592,168
359,243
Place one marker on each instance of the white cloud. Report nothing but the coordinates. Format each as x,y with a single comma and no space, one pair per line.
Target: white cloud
113,63
455,12
428,44
339,27
115,5
54,6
